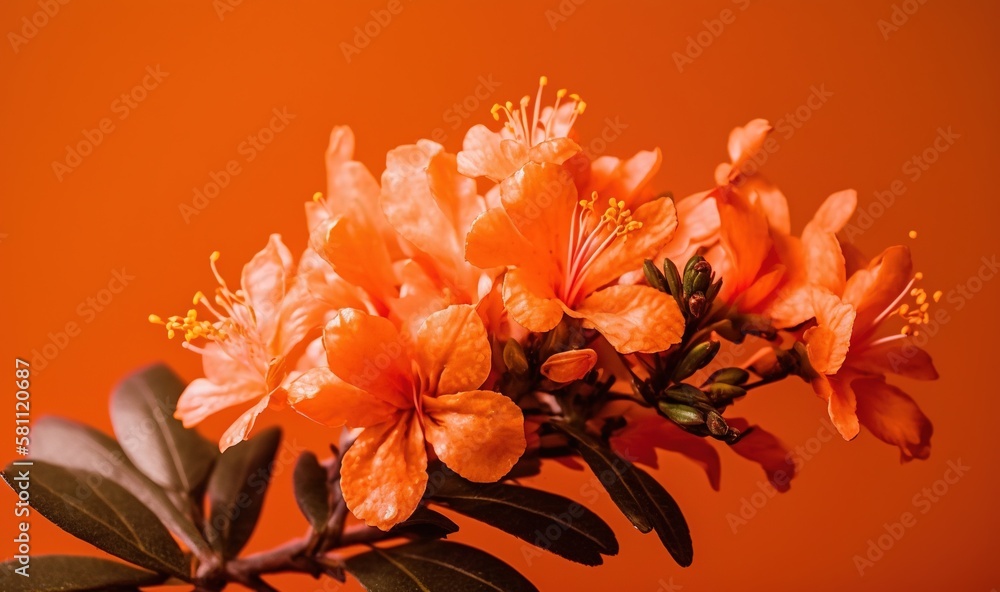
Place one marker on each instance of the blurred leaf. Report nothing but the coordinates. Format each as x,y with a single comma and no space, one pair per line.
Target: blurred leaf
426,523
311,491
236,491
614,473
72,445
435,566
142,413
67,573
543,519
667,519
102,513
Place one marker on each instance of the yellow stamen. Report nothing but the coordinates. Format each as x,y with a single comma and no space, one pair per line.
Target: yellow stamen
317,196
913,234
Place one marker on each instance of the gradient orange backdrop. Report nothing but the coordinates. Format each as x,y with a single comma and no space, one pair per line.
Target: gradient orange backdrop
888,92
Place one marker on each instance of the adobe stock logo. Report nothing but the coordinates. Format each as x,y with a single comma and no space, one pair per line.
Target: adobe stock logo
33,24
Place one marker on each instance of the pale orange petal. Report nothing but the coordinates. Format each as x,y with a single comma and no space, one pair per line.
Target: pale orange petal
358,254
634,318
453,350
265,280
555,151
384,473
746,141
828,342
478,434
367,352
531,301
540,200
481,155
893,417
898,356
874,289
241,428
841,403
570,365
203,397
744,235
324,398
494,242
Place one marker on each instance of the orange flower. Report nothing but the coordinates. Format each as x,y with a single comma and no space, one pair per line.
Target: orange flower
749,147
496,155
406,397
851,361
564,253
249,339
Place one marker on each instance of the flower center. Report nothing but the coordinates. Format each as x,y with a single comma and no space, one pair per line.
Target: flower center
234,326
538,131
590,236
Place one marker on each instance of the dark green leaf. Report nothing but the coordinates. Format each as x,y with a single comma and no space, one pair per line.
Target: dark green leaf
142,413
236,491
311,491
76,446
102,513
66,573
614,473
435,566
543,519
667,519
426,523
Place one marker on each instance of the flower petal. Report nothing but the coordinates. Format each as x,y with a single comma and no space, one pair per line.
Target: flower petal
531,301
540,200
240,429
324,398
367,352
841,403
570,365
358,254
202,397
494,242
893,417
481,155
265,280
873,290
898,356
634,318
828,342
478,434
384,473
453,350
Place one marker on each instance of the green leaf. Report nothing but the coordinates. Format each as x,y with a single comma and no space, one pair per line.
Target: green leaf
311,491
614,473
426,523
435,566
668,521
142,413
72,445
642,499
543,519
102,513
68,573
236,491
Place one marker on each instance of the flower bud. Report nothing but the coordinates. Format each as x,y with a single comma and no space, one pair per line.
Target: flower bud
653,275
682,414
697,275
568,366
696,359
697,303
722,393
514,358
687,395
729,376
716,425
672,278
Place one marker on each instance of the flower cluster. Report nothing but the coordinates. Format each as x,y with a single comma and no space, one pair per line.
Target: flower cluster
466,307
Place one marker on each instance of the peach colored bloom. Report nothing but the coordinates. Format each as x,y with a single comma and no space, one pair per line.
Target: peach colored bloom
250,336
543,138
749,147
851,360
565,255
406,397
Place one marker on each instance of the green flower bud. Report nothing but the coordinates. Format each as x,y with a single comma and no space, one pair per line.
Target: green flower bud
730,376
721,392
672,277
687,395
653,276
716,425
696,359
682,414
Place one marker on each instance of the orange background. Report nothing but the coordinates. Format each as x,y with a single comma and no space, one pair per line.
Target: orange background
62,240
